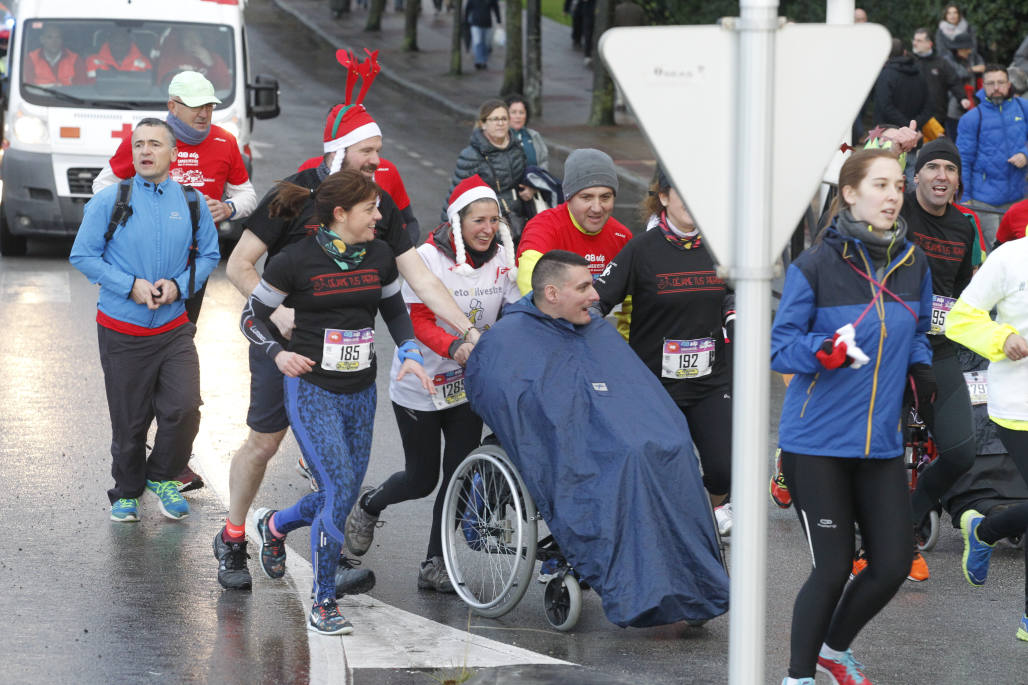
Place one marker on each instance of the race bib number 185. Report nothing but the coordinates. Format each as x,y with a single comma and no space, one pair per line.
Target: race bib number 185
348,351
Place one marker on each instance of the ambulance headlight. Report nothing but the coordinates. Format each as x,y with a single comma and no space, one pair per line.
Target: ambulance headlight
30,130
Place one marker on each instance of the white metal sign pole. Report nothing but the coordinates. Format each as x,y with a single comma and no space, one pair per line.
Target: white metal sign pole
758,22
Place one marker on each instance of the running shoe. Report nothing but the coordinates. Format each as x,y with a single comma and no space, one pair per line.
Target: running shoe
360,527
326,619
1022,628
801,681
125,510
844,671
304,471
232,556
859,564
918,569
273,549
350,580
173,504
188,480
977,554
723,515
433,576
780,494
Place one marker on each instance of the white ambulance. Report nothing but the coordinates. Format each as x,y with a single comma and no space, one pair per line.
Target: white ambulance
81,73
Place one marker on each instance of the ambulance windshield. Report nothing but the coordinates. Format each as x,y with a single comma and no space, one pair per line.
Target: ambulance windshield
120,64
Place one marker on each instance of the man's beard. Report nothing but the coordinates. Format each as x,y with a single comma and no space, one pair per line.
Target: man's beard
369,169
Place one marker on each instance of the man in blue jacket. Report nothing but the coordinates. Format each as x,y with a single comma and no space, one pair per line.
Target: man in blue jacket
993,143
147,265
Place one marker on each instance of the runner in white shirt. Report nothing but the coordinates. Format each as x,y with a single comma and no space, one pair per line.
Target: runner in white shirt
1001,283
478,269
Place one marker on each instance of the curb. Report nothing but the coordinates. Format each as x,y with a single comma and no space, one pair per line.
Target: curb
457,110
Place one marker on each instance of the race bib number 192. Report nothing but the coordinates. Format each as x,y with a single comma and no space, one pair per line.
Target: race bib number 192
348,351
687,358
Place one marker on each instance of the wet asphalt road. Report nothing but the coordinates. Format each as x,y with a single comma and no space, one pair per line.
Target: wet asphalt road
89,601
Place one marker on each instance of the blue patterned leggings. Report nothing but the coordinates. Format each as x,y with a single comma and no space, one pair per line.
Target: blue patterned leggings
334,433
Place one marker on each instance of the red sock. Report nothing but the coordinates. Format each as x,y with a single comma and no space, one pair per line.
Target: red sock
272,528
233,533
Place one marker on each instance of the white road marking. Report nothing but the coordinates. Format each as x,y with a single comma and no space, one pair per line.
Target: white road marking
413,154
34,287
384,636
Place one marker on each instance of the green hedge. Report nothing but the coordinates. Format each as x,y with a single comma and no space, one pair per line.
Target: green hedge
1001,25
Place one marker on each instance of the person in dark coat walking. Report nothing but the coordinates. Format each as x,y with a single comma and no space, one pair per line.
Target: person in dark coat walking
900,93
476,15
494,155
940,78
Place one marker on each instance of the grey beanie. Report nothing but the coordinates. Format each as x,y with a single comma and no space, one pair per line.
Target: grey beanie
587,168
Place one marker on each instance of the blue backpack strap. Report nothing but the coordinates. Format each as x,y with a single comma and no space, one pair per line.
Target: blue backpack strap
194,216
122,210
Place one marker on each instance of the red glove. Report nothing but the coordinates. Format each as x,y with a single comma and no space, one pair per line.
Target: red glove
832,354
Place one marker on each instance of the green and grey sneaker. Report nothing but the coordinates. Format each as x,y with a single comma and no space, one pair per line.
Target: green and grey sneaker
173,504
125,510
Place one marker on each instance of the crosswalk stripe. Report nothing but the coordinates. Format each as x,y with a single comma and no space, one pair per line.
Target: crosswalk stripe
384,636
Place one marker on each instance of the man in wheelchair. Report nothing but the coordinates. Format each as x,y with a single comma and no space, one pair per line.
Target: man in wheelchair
602,449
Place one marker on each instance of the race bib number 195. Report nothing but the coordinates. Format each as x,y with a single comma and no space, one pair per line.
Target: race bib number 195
348,351
940,308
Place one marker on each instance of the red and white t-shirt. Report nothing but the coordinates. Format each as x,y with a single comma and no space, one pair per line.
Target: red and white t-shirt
206,167
386,176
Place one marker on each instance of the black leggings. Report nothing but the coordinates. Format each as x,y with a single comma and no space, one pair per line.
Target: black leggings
954,434
830,495
1013,520
419,430
710,425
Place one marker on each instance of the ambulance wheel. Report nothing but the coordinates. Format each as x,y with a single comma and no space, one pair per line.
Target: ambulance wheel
10,245
562,602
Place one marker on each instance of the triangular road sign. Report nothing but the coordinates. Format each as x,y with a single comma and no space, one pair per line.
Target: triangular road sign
681,83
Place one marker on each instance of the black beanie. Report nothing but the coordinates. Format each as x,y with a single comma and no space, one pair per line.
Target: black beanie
940,148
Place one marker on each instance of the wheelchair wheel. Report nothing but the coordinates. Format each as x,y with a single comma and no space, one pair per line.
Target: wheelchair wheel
489,532
932,536
562,602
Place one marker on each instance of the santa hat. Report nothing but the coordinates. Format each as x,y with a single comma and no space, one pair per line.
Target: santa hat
467,191
349,123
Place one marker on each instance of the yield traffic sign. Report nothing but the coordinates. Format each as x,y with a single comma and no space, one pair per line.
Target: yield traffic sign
681,82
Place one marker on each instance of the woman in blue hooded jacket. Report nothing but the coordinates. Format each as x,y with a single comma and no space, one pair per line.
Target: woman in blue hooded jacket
851,326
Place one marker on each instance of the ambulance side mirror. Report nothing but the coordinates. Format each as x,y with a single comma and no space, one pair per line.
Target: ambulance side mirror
262,97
